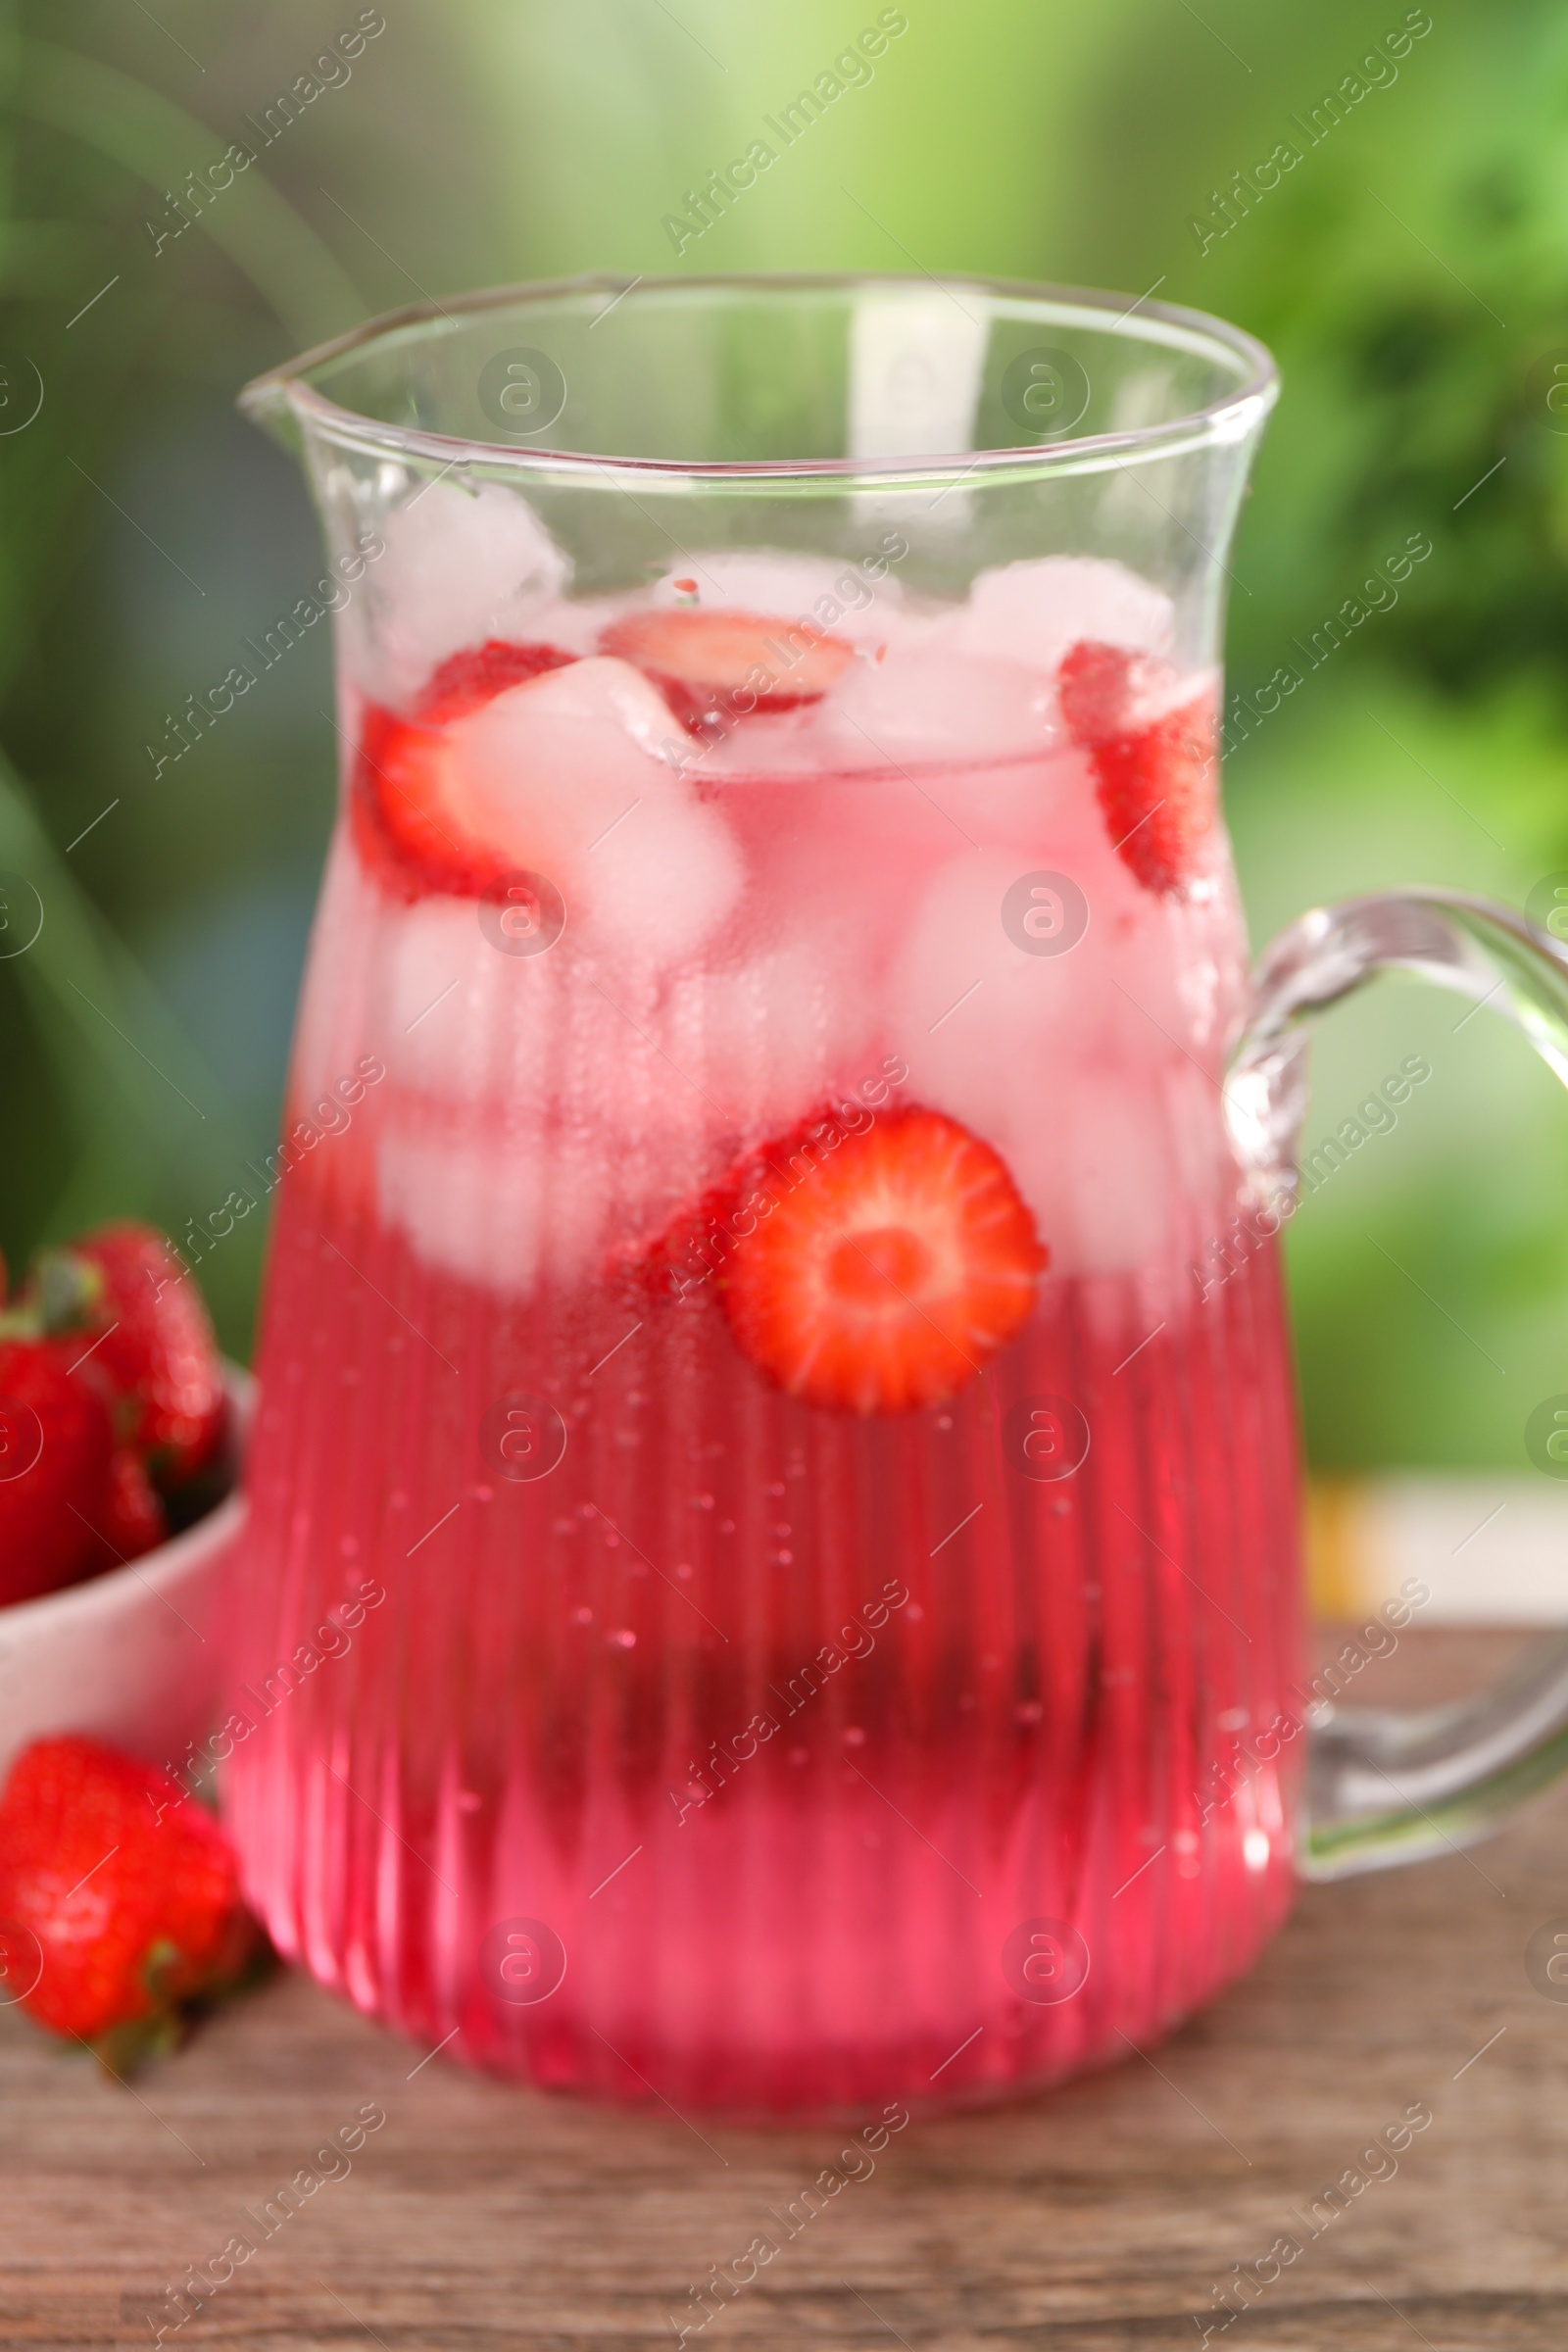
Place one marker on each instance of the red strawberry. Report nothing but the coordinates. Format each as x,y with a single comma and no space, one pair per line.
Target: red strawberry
129,1893
713,667
155,1350
407,817
892,1265
55,1446
477,676
1155,775
1157,793
404,826
132,1519
1095,687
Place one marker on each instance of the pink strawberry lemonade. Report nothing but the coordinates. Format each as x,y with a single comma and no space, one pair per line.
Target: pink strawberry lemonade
760,1543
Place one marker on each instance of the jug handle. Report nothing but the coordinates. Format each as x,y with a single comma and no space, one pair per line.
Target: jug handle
1383,1786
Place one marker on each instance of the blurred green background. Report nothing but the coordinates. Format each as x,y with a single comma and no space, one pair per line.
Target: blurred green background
1411,274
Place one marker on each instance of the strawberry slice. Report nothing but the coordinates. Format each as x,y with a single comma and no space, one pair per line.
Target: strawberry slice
1156,790
402,809
477,675
1154,776
55,1446
892,1265
714,667
1096,686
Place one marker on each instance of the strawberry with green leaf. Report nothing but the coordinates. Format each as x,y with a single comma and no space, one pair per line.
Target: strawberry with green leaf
119,1898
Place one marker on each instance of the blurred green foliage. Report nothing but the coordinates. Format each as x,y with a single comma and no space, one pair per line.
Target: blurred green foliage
1410,269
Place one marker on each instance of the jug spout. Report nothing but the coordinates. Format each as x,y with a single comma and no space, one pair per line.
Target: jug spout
267,401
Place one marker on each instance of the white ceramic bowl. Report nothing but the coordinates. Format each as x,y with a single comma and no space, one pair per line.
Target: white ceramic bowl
132,1656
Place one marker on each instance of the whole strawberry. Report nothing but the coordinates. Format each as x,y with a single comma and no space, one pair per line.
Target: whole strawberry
132,1519
124,1286
56,1446
129,1892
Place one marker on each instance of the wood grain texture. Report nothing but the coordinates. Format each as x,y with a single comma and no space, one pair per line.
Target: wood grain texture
479,2217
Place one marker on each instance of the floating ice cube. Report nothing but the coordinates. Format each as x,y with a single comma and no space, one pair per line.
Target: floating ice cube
459,1016
497,1210
463,1206
340,985
1097,1174
1032,611
573,774
459,565
839,596
513,1196
1012,1043
598,691
938,705
770,1039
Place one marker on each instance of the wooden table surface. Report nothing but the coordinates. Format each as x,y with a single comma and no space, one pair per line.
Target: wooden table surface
1102,2216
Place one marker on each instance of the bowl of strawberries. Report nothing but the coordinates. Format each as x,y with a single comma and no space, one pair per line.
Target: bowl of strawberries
119,1435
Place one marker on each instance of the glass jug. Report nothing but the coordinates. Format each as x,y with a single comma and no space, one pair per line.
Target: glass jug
772,1577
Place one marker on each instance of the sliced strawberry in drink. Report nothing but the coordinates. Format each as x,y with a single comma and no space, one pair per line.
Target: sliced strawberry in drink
714,667
405,825
1095,688
528,781
480,672
892,1264
1155,775
405,821
1156,791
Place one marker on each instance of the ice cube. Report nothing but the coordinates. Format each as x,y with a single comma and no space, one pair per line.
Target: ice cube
839,595
575,775
512,1194
1031,612
459,565
771,1038
1097,1174
938,705
1012,1044
483,1208
334,1022
460,1017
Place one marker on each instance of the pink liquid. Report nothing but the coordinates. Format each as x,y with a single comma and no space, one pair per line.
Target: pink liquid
994,1702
